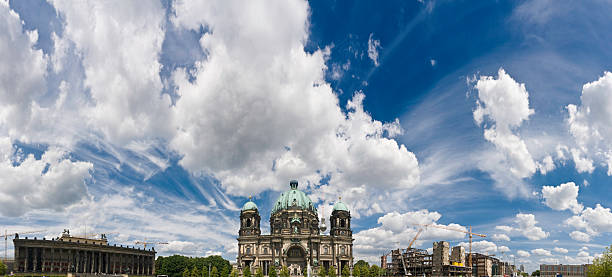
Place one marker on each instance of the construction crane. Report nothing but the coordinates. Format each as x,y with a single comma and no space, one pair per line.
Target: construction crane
409,246
6,236
144,243
457,230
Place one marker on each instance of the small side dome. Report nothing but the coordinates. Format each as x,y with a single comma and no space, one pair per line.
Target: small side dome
339,206
249,205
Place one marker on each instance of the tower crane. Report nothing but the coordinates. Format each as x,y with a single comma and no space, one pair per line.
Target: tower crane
457,230
6,236
144,243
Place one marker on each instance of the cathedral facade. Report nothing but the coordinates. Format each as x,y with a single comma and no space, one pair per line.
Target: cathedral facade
296,238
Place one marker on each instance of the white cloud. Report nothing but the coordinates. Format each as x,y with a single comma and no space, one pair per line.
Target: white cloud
527,227
119,43
373,47
562,197
503,248
541,252
522,253
580,236
593,221
500,237
22,75
589,124
396,229
433,62
483,246
505,103
258,112
51,182
560,250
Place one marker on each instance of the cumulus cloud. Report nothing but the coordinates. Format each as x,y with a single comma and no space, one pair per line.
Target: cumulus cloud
373,47
560,250
483,246
541,252
500,237
522,253
119,43
589,124
562,197
580,236
51,182
593,221
395,229
525,225
502,106
258,111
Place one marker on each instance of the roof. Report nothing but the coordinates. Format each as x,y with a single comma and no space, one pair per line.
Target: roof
249,205
293,198
339,206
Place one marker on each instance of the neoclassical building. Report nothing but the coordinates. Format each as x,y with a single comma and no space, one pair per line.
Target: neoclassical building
296,237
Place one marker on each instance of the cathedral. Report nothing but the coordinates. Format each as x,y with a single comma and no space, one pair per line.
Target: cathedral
296,238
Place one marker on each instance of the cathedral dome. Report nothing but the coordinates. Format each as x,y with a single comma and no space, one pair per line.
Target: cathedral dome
293,197
339,206
249,205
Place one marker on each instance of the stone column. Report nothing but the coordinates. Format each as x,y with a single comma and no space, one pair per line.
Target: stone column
114,258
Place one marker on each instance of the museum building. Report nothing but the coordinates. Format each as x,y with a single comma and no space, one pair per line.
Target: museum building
296,238
68,254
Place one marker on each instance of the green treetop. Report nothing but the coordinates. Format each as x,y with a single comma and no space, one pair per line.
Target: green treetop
224,272
272,271
322,272
234,273
259,273
2,268
375,271
346,272
195,272
332,271
246,272
356,271
284,272
214,272
186,273
602,266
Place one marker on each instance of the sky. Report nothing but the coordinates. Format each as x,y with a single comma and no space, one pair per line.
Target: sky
157,120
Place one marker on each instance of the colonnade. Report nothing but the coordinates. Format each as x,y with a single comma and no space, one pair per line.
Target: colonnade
60,260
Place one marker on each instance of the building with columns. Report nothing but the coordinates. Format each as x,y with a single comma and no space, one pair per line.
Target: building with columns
296,238
68,254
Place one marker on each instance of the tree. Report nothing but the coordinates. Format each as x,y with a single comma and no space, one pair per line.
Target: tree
375,271
272,271
346,272
332,271
224,272
246,272
234,273
284,272
259,272
195,272
356,271
2,268
535,273
214,272
322,271
602,266
186,273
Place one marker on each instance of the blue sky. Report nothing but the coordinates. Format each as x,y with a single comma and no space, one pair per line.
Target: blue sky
157,120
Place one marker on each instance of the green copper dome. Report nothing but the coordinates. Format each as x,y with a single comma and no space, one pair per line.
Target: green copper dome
339,206
249,205
293,197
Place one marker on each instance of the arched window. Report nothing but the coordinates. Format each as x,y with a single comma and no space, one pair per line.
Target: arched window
325,250
248,222
342,250
265,250
248,250
342,223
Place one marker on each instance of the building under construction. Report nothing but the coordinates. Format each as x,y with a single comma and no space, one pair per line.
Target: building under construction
417,262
